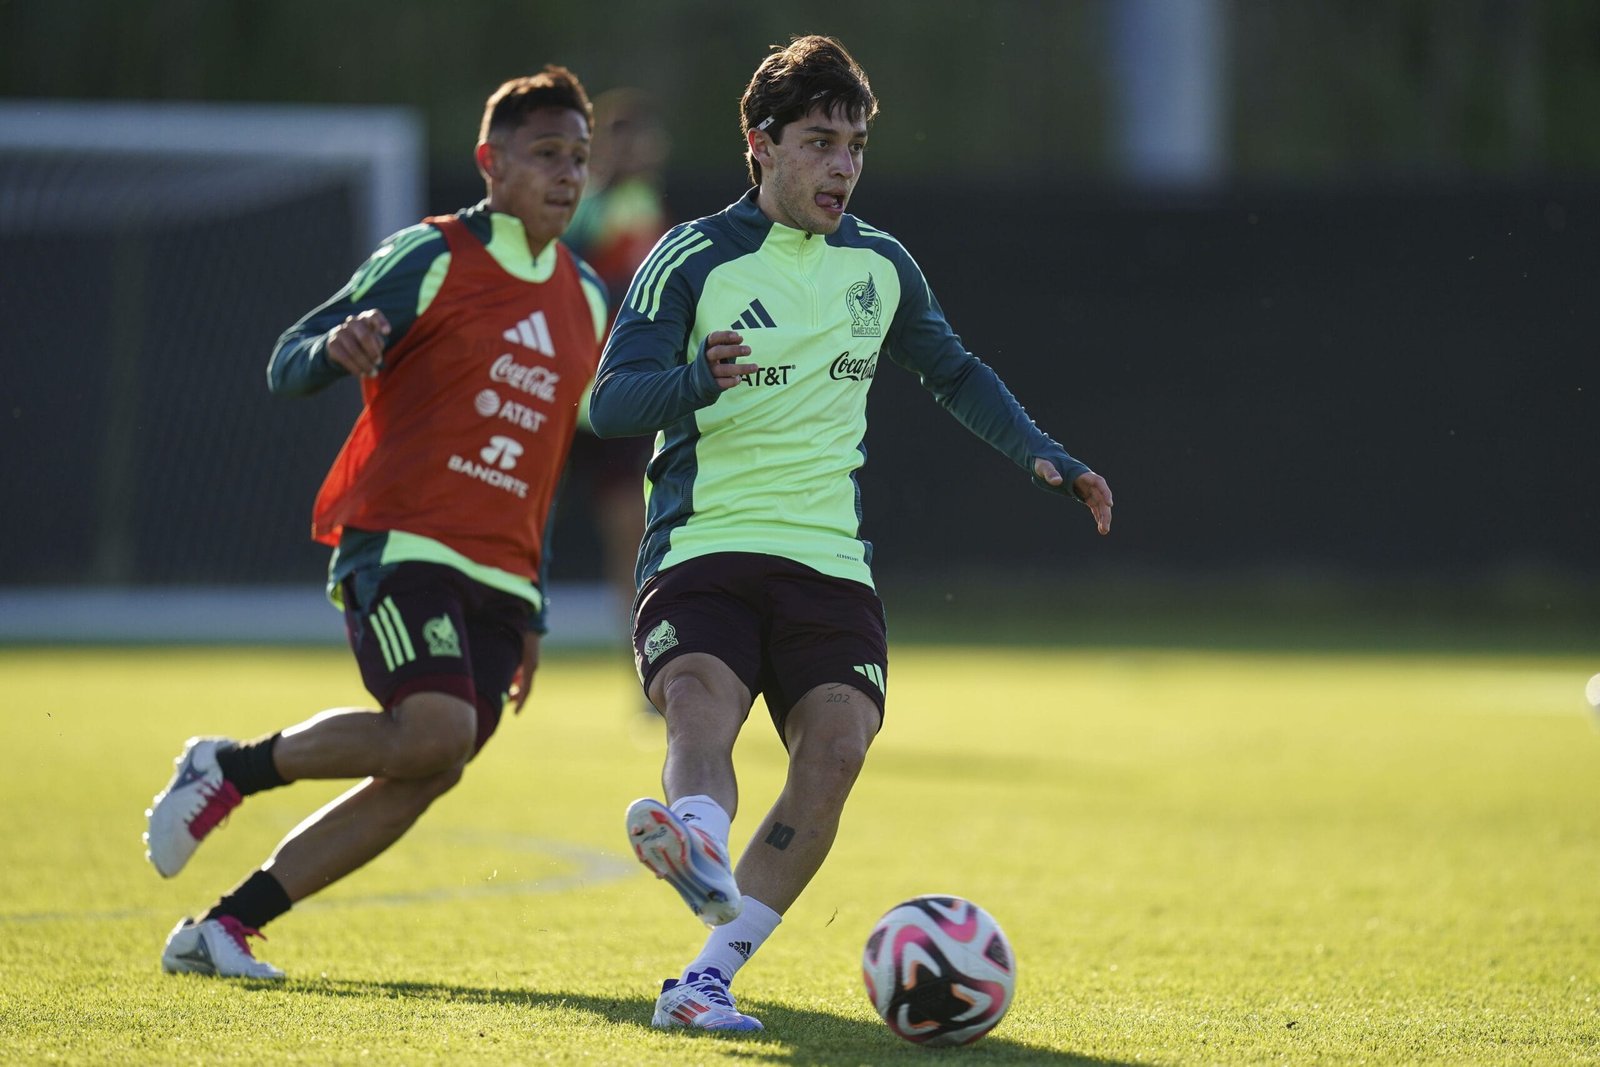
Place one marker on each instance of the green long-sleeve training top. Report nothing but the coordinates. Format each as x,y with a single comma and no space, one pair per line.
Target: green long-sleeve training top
770,465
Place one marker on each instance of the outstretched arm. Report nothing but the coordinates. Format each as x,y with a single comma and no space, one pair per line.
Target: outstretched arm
1088,487
921,340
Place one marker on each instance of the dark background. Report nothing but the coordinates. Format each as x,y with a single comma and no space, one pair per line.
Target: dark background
1354,368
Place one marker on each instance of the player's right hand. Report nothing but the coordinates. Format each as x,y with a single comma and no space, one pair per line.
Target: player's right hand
357,343
722,349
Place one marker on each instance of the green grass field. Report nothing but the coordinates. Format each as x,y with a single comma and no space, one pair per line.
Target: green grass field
1201,858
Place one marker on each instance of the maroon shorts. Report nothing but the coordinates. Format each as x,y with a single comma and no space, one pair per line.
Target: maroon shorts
425,627
781,627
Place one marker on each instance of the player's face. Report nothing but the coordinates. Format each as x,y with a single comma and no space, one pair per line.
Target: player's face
807,179
537,171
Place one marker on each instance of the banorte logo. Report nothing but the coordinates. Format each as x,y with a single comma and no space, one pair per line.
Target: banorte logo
498,456
501,452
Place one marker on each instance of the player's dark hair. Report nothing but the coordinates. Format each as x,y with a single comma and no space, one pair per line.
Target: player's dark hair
792,80
510,105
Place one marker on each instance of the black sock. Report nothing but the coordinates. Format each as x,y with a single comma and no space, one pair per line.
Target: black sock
256,901
249,765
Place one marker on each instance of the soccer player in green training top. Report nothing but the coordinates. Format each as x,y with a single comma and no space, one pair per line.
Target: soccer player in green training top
747,342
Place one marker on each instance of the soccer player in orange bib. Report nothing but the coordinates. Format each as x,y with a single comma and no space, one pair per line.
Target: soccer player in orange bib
474,336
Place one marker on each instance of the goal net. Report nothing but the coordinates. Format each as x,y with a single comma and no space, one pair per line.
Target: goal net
152,254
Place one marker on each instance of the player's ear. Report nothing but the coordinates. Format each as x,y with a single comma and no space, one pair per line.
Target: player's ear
760,145
488,165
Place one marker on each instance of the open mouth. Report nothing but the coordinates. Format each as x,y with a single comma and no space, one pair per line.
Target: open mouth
832,203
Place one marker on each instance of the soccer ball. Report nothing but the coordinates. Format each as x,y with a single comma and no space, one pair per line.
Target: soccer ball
939,970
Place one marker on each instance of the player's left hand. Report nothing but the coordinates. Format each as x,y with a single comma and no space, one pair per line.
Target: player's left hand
522,681
1088,487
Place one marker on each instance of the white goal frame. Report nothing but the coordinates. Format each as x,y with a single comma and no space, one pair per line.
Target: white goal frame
383,148
378,153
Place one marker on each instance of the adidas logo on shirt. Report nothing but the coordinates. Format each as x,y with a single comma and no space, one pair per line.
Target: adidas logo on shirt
532,332
754,318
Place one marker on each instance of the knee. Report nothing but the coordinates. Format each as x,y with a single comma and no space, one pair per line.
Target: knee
702,704
435,786
833,760
438,734
410,797
439,753
687,690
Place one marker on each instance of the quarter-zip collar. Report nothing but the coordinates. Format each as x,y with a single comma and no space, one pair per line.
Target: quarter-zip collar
753,227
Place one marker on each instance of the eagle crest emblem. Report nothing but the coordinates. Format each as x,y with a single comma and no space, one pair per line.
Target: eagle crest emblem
866,309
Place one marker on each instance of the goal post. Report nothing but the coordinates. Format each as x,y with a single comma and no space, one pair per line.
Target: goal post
153,252
379,151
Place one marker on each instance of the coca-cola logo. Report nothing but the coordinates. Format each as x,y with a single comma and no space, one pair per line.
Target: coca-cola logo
535,381
853,368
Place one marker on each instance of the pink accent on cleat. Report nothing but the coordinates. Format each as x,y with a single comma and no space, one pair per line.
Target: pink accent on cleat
190,807
219,802
216,947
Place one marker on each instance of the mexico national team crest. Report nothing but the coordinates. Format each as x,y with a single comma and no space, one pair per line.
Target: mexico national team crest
659,640
866,310
441,636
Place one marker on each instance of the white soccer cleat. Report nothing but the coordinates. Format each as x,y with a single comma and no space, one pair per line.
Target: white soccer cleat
216,947
686,857
700,1001
189,808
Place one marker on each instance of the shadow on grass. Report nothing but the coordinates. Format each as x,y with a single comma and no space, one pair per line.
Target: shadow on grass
799,1036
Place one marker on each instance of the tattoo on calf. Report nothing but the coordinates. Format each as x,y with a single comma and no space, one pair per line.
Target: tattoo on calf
780,836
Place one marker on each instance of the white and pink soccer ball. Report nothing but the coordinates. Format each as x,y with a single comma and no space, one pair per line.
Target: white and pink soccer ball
939,970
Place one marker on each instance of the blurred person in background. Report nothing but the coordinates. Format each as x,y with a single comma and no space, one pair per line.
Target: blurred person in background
474,336
749,340
619,220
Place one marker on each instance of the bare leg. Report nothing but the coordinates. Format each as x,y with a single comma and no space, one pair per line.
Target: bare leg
704,705
424,734
829,732
351,830
410,756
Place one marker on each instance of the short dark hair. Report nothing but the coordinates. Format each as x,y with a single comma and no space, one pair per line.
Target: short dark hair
511,104
792,80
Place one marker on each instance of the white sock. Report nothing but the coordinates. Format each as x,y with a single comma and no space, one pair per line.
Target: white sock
731,945
700,810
